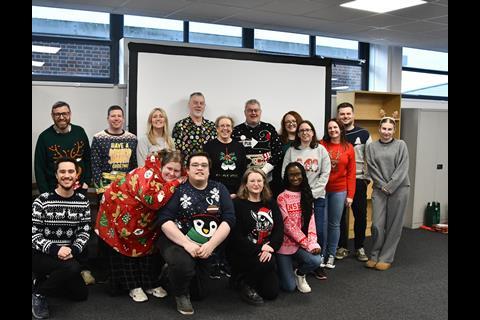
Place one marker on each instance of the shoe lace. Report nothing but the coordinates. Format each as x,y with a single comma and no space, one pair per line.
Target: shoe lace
361,252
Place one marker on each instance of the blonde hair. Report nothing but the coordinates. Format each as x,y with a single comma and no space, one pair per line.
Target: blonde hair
166,131
266,194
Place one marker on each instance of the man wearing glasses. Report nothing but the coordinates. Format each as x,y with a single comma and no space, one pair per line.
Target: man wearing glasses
62,139
195,221
260,139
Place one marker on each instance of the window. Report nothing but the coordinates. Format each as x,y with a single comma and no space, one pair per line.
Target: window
424,74
336,48
349,65
152,28
284,42
73,59
215,34
78,23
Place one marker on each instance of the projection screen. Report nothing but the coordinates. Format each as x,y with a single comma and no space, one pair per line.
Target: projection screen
164,76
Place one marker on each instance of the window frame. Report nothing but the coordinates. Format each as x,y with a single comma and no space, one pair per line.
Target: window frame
420,96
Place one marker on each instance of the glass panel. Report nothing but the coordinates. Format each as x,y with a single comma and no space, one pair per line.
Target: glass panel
70,22
336,48
152,28
215,34
73,59
427,84
284,42
424,59
346,77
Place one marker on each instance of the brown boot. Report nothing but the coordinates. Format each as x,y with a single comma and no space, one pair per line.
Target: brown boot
382,266
370,264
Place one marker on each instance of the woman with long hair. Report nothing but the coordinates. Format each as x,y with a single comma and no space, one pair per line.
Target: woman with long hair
300,236
288,129
341,183
314,158
257,235
157,136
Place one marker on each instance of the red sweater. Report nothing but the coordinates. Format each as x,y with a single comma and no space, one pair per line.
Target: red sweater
342,175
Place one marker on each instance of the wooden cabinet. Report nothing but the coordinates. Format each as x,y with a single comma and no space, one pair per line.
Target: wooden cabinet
369,108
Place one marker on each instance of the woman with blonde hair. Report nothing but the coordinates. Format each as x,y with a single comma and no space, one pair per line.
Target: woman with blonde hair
157,136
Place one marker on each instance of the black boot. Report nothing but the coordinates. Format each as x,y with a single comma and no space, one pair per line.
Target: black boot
250,296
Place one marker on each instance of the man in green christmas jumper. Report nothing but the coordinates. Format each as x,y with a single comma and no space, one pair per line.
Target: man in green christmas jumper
62,139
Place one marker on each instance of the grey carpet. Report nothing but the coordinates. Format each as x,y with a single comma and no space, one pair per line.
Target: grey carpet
414,288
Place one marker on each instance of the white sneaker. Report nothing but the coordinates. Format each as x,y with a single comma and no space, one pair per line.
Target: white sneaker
330,262
158,292
302,284
138,295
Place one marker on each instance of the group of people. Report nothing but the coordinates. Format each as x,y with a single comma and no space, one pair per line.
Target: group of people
266,208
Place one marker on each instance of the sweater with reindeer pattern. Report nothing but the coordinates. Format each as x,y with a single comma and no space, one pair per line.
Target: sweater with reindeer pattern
59,221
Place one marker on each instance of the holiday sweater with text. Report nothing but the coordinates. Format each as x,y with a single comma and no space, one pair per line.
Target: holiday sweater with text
113,155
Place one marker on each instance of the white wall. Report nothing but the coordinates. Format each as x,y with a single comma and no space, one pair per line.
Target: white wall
88,105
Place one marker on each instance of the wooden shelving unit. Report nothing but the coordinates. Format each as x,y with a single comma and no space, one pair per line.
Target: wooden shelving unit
368,107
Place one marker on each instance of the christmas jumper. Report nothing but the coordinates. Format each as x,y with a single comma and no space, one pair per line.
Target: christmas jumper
256,225
52,145
359,138
294,238
342,173
190,138
228,163
262,145
59,221
198,213
113,155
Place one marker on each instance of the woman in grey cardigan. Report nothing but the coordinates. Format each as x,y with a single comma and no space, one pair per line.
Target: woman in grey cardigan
387,161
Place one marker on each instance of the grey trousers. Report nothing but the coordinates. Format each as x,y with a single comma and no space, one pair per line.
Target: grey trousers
387,222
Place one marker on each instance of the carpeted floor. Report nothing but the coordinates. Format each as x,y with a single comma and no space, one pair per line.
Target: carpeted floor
416,287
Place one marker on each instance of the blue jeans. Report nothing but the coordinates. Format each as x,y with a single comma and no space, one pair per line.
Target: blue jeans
334,207
307,262
320,222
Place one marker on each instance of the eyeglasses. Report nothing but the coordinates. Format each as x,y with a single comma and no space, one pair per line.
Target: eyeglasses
62,114
196,165
254,110
292,122
305,130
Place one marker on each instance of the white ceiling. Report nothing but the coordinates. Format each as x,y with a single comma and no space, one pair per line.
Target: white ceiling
423,27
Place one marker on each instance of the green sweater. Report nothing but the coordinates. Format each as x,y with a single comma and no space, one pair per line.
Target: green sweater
51,146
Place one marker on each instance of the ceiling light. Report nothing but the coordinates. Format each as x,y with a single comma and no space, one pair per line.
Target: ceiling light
45,49
340,88
381,6
37,64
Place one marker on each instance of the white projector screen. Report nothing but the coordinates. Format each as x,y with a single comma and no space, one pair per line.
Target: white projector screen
227,79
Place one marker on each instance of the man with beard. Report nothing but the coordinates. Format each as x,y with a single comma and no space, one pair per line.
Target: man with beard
359,138
62,139
60,232
192,132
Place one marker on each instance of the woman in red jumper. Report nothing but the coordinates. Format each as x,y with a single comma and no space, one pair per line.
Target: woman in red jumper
341,183
125,222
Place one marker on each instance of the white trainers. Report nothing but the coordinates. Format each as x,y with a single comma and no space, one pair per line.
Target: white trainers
138,295
302,284
330,262
87,277
361,256
158,292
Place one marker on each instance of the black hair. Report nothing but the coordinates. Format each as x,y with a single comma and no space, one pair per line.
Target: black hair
67,159
306,196
199,154
114,107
